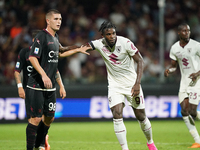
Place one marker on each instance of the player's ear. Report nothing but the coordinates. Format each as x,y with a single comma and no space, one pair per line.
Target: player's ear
47,20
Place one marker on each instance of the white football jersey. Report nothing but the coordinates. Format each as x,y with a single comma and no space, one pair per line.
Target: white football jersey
188,59
119,62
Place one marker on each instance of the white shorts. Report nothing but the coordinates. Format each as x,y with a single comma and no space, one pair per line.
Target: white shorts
117,96
193,95
182,96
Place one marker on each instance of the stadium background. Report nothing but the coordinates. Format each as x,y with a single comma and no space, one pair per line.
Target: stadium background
85,76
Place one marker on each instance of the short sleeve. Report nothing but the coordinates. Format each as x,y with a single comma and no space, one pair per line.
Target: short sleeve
171,54
131,49
36,49
20,61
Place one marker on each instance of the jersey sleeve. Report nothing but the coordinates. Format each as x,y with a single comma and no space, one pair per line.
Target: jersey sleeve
171,54
131,49
20,61
198,48
36,49
93,44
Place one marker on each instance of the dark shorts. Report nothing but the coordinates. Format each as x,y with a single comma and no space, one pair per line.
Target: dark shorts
40,102
27,116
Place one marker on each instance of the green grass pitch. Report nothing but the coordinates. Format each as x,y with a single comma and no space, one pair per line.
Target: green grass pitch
168,135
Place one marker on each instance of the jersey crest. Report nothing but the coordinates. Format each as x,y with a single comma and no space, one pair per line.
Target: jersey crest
118,49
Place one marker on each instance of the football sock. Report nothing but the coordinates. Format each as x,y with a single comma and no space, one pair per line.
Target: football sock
120,131
41,134
192,129
147,130
198,115
30,136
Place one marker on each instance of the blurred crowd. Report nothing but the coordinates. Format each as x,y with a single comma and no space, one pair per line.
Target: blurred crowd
137,20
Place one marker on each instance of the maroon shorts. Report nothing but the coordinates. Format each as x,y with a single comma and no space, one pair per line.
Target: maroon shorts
40,102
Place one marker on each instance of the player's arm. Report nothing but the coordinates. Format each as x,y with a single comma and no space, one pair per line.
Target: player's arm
81,49
60,83
172,68
19,84
35,63
140,67
194,76
64,49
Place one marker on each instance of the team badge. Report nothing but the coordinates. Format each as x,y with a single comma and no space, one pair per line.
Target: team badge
118,48
36,50
17,64
185,61
189,50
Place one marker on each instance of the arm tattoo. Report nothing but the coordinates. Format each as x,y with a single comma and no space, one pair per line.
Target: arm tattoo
18,77
57,76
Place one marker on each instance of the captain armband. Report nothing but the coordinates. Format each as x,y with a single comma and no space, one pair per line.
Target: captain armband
172,69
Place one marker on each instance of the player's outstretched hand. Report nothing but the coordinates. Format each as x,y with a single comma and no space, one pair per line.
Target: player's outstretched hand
166,73
83,49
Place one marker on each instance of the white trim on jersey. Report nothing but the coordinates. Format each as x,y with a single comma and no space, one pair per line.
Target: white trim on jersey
39,89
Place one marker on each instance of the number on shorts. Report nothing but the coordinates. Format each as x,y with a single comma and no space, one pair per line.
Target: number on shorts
52,106
193,95
137,100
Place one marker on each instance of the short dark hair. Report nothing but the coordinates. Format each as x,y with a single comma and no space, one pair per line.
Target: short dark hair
106,25
181,26
52,11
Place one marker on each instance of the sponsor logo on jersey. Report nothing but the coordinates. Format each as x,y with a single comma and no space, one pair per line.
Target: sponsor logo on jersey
185,63
53,60
17,64
53,54
36,51
50,43
29,68
114,59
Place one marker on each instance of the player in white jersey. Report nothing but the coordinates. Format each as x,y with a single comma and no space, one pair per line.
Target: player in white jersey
186,54
119,55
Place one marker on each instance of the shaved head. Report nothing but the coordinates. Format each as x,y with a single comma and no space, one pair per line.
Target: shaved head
50,12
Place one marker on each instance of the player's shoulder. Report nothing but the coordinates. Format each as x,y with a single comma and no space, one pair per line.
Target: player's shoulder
41,34
98,41
175,45
123,40
193,41
24,50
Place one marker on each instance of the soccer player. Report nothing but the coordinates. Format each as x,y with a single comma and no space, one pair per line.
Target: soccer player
41,91
119,55
23,64
186,54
